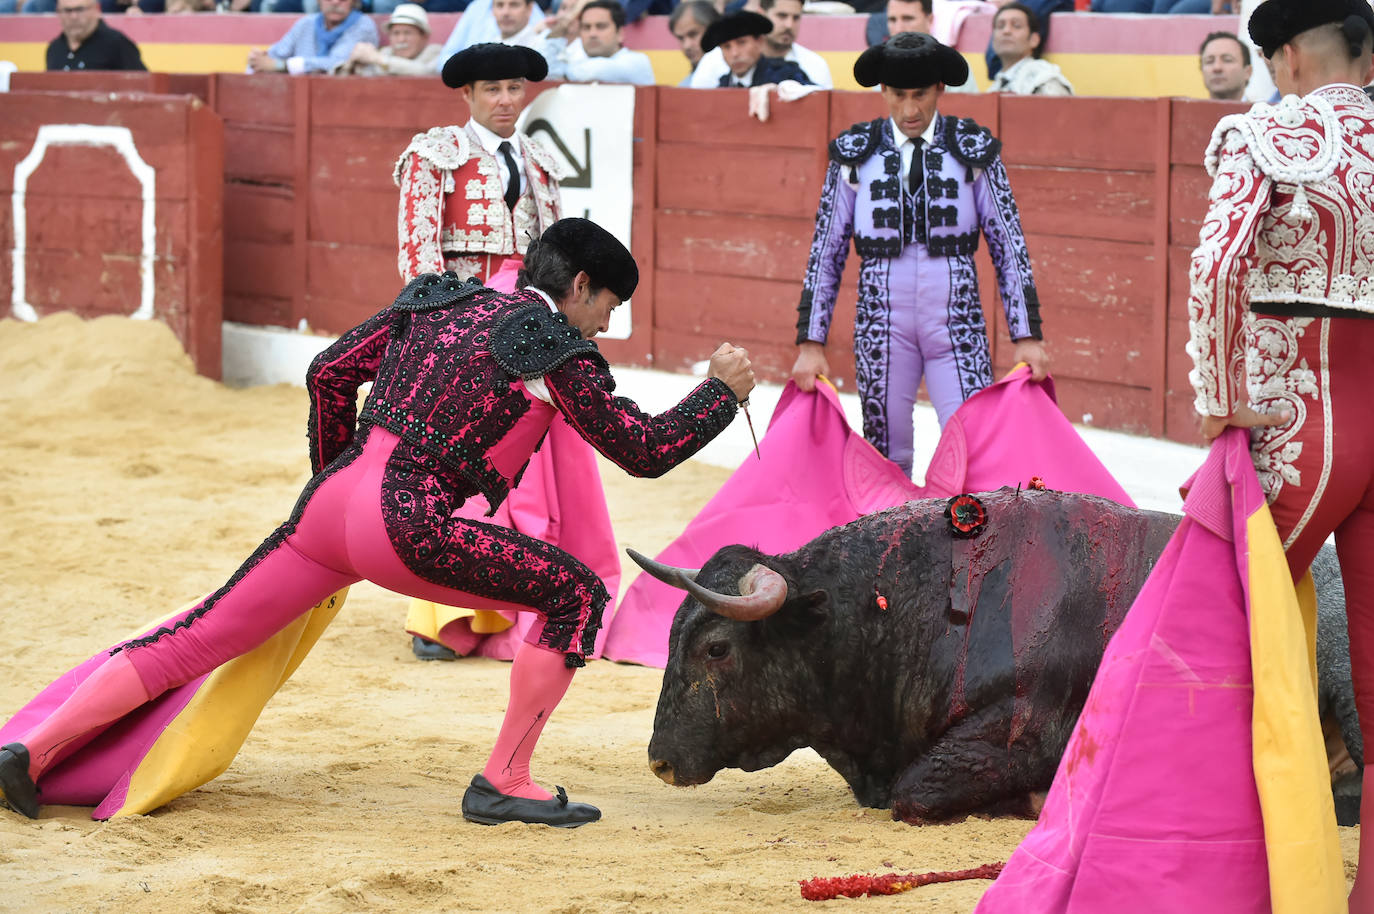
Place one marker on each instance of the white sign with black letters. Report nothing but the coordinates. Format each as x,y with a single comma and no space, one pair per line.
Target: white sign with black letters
590,128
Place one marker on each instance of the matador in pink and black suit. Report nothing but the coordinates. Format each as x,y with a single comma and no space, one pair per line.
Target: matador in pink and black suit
465,382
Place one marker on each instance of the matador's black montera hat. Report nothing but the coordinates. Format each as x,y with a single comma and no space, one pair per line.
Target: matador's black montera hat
1276,22
596,252
910,60
493,60
735,25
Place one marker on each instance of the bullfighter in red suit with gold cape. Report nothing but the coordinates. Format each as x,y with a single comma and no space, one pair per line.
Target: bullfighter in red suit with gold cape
1195,779
1282,308
465,382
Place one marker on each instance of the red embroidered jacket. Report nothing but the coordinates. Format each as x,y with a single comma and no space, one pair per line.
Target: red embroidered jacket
453,213
449,368
1290,222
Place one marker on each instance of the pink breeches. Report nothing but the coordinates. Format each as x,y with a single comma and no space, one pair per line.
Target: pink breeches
349,525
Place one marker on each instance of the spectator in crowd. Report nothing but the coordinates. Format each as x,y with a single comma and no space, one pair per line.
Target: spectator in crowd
688,23
87,43
1225,63
515,22
786,16
738,38
598,54
317,43
908,16
407,53
637,9
733,55
1042,10
1169,7
1016,39
486,21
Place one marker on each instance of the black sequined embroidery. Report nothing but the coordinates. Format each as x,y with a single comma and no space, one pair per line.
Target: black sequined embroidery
533,341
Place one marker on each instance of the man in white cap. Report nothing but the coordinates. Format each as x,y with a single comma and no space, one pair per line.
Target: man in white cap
407,53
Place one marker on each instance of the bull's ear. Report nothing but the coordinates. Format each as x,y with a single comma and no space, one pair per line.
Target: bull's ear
811,608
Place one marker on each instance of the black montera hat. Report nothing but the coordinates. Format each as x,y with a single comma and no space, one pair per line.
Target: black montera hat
910,60
493,60
1276,22
596,252
735,25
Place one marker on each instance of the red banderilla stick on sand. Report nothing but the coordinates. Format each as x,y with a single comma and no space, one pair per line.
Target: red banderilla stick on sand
824,889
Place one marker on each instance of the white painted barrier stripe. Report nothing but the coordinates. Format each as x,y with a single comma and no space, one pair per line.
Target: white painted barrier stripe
122,140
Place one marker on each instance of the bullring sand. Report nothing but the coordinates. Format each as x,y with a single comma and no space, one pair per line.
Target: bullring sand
129,485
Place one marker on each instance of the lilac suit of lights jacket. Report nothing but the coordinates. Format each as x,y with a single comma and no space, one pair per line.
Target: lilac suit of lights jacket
916,251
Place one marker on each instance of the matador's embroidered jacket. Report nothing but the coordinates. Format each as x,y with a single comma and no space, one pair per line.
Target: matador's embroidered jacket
966,191
470,380
1289,231
453,213
918,286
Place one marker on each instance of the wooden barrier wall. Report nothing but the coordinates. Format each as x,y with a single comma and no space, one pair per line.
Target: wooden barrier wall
80,218
1111,193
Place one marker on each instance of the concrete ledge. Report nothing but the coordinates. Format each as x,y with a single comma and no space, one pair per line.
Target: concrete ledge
1150,470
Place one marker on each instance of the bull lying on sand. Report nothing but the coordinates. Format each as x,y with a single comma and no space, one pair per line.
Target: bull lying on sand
939,676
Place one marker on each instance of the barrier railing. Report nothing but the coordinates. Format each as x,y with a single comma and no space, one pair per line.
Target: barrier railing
1111,192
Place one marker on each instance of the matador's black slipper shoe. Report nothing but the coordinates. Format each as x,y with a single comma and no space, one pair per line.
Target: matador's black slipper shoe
484,804
19,791
431,650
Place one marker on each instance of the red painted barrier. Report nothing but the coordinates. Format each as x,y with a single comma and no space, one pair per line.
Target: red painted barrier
117,210
1111,193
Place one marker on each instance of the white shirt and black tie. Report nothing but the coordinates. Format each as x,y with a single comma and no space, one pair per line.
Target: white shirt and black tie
510,163
913,167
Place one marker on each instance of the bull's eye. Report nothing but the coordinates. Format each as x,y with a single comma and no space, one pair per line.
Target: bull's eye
717,649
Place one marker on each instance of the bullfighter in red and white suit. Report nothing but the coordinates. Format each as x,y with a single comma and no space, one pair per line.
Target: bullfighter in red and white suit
465,382
1281,308
475,195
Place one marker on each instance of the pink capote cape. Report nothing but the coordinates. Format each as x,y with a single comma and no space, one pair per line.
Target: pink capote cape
560,501
1190,784
179,740
815,473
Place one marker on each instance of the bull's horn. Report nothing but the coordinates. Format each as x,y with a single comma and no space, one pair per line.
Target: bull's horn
762,591
668,574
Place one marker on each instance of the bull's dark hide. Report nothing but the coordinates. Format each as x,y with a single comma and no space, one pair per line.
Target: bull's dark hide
939,676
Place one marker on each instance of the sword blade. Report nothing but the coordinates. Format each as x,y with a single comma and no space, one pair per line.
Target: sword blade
744,405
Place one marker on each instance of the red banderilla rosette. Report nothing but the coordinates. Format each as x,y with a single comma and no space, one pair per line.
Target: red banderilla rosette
967,516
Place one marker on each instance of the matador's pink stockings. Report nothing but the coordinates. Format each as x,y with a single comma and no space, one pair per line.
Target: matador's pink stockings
109,693
538,680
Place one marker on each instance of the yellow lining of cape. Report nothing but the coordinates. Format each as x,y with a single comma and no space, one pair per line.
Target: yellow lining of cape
202,740
1306,872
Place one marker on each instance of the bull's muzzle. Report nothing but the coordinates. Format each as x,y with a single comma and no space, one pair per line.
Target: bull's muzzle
762,591
662,769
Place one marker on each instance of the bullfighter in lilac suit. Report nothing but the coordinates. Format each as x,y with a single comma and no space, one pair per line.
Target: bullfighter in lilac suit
915,190
465,382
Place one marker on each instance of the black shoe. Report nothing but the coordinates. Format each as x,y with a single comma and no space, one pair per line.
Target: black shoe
430,650
484,804
19,792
